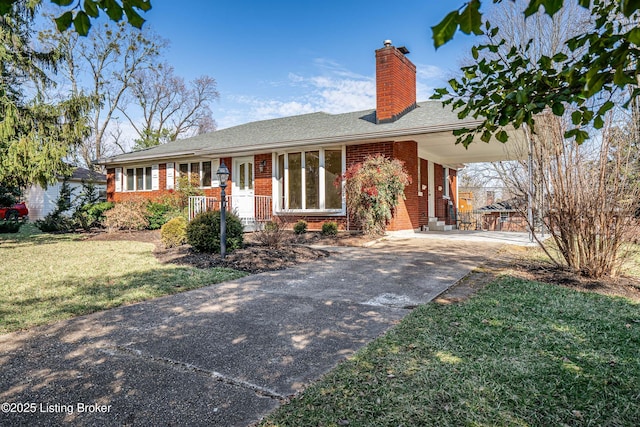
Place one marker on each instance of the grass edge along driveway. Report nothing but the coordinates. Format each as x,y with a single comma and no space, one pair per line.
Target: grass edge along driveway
519,353
48,277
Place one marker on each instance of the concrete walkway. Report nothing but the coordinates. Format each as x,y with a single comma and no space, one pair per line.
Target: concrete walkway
227,354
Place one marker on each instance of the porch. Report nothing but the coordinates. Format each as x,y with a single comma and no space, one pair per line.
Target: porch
251,209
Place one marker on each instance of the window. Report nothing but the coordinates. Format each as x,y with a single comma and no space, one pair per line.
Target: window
295,181
200,172
131,176
332,179
312,179
206,174
307,180
195,171
147,178
139,178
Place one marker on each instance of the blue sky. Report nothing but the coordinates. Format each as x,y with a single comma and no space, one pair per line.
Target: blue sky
281,58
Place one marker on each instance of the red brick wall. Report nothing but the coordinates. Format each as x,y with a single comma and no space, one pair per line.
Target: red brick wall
262,185
111,184
395,84
314,222
406,215
357,153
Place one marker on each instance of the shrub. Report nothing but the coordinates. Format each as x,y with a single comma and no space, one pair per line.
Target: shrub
92,214
272,234
373,189
330,228
10,226
203,232
186,188
158,214
56,222
300,227
174,232
128,215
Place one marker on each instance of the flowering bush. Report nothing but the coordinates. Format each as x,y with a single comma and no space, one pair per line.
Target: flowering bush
373,189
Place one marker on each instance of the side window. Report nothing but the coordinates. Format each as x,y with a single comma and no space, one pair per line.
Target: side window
206,174
131,176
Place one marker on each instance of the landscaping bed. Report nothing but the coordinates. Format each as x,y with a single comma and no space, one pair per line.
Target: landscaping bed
254,257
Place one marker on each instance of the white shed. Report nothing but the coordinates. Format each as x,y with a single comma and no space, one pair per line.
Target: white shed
41,202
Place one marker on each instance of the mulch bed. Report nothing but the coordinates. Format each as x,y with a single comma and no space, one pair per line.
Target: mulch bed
257,258
253,258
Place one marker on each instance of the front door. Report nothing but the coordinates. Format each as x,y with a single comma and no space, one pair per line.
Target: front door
242,192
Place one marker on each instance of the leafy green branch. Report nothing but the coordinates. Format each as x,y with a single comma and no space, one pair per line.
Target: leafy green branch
512,89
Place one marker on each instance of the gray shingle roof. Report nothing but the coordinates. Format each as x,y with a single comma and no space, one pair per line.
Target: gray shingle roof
307,129
510,205
83,174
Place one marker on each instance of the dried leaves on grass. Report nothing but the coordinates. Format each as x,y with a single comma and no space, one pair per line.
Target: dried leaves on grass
525,263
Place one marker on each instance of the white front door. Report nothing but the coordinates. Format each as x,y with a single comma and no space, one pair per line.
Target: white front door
242,191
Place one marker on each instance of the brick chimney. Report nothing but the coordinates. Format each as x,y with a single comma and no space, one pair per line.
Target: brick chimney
395,83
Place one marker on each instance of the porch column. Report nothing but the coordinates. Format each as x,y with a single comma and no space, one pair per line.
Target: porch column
431,189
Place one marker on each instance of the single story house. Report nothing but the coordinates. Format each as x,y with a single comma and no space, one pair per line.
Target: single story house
289,165
42,201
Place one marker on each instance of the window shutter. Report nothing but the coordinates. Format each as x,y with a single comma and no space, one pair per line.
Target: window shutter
155,177
170,176
118,180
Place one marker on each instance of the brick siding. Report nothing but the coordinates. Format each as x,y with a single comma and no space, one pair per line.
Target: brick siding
395,84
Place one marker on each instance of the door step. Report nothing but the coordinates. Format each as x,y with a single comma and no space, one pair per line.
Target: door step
436,225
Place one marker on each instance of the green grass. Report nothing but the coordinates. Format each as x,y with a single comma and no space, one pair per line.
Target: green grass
519,353
47,277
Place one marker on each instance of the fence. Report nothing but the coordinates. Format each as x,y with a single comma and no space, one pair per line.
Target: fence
261,211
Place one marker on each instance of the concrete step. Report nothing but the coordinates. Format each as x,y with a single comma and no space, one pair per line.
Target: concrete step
437,225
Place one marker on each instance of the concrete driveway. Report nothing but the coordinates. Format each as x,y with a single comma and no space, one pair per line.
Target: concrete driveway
227,354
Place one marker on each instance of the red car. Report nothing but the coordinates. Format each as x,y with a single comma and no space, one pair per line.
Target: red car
15,212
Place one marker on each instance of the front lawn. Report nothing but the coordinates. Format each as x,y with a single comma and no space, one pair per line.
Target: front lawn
519,353
47,277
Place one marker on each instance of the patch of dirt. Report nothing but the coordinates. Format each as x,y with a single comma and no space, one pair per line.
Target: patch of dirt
253,258
513,261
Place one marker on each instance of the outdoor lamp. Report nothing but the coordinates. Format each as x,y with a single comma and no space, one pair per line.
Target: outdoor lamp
223,176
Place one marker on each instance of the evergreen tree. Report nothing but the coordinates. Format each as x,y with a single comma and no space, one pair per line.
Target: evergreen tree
35,136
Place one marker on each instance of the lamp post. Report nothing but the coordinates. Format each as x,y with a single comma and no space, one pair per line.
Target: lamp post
223,176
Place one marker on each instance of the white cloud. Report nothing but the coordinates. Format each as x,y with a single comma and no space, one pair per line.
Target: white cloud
332,89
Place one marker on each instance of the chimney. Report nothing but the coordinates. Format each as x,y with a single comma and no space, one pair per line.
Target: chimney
395,83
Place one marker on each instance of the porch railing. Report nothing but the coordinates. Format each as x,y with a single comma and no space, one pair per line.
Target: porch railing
261,208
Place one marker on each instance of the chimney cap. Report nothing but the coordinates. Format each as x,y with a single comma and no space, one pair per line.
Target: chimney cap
403,50
387,43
